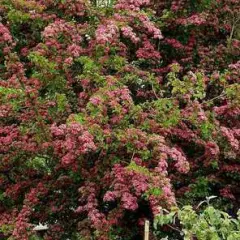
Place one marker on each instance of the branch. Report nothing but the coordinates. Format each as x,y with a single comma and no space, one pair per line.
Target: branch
217,97
176,229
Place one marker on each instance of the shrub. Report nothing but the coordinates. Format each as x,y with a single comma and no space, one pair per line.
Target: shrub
104,111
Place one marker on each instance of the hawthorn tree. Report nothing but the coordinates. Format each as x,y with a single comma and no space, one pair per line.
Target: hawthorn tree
110,114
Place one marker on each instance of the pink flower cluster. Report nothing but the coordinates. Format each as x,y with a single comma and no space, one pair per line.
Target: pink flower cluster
235,66
194,108
174,43
5,35
71,142
195,19
134,5
229,135
74,50
163,151
128,33
127,186
8,137
212,150
227,193
6,40
22,227
53,30
118,101
181,164
95,100
178,5
165,198
227,110
8,217
162,164
107,33
89,204
150,27
148,52
73,7
236,132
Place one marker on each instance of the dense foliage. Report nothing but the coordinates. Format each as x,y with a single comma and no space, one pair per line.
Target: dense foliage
210,224
110,114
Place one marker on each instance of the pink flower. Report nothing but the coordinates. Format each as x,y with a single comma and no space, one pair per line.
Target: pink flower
128,32
174,43
109,196
5,35
148,51
167,191
150,27
181,162
129,201
71,141
95,100
131,4
68,61
229,135
212,149
74,50
107,33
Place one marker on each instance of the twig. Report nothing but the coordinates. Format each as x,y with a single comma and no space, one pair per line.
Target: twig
176,229
220,96
155,92
232,32
132,156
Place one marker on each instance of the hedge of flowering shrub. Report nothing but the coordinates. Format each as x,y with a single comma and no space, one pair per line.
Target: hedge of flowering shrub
110,114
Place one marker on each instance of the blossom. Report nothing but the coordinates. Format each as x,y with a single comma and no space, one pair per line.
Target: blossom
71,141
229,135
131,4
129,201
73,7
195,19
5,35
68,61
109,196
95,100
181,162
148,52
53,30
128,32
107,33
174,43
74,50
212,149
150,27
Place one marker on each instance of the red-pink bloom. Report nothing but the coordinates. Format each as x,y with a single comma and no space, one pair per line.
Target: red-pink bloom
128,32
229,135
147,51
107,33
